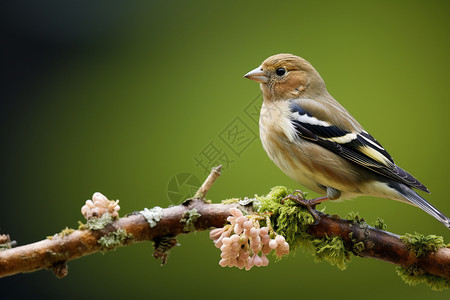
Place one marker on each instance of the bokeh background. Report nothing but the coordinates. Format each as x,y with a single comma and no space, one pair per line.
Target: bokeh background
121,97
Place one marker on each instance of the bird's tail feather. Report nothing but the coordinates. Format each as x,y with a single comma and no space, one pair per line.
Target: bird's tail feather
420,202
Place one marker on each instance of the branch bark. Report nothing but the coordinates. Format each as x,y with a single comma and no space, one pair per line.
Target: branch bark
54,253
382,245
50,254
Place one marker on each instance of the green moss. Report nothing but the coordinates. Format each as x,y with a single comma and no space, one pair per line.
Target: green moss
288,219
96,223
332,250
65,232
354,217
422,245
379,224
292,222
114,239
414,276
190,217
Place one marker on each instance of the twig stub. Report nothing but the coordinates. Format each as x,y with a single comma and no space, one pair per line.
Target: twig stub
203,190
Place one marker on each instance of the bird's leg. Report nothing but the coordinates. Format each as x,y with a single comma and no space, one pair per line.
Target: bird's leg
333,194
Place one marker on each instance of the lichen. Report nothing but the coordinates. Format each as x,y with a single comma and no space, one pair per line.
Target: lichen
379,224
246,201
153,216
422,245
114,239
415,275
189,218
359,247
230,201
96,223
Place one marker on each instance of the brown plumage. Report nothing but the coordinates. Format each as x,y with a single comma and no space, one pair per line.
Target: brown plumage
315,141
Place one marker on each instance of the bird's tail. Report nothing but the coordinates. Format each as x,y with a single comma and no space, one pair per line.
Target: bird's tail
418,201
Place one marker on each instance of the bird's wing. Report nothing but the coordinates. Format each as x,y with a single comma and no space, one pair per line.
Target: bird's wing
359,147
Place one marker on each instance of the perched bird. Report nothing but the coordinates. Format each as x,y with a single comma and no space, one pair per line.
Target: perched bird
315,141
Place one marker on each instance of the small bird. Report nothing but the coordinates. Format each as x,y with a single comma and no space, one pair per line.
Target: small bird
315,141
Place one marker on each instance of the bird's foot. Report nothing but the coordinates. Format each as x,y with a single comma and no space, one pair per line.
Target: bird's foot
296,196
310,204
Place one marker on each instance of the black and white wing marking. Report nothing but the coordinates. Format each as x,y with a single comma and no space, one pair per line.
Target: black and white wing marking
359,147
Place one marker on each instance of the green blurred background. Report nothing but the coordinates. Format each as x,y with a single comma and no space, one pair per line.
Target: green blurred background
121,97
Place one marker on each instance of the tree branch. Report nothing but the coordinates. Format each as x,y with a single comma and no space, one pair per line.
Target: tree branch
47,254
55,252
382,245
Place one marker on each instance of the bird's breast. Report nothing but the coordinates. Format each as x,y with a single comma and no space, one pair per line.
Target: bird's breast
280,141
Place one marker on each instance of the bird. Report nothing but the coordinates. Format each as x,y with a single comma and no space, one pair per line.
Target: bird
315,141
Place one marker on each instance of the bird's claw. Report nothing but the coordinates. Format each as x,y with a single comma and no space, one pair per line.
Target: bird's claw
299,199
299,193
296,196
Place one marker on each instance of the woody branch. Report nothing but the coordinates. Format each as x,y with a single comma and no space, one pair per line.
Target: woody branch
56,252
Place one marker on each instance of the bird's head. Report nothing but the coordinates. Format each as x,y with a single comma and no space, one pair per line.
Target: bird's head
286,76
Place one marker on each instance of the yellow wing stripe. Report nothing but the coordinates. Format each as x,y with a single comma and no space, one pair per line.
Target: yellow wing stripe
377,156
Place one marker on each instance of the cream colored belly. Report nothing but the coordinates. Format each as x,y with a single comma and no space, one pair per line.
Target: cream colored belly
290,165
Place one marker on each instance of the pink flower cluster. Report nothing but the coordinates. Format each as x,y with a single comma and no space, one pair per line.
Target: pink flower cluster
99,205
244,244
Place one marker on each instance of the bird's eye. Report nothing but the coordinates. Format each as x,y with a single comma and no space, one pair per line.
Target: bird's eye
280,71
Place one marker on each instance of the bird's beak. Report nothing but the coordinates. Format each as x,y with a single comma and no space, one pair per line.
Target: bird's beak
257,75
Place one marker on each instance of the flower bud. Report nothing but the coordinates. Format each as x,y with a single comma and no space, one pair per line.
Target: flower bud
241,220
280,239
235,238
223,262
257,260
265,260
273,244
248,225
235,212
264,231
238,228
